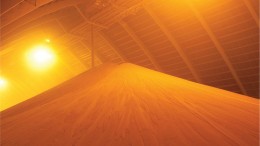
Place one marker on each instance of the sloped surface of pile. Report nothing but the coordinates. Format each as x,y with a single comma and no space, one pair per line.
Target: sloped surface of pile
128,105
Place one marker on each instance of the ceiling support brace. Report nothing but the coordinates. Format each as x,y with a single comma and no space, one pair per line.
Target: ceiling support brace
174,43
218,46
252,12
86,21
33,2
141,45
112,46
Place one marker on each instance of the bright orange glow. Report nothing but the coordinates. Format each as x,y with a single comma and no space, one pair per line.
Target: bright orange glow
3,83
36,62
48,40
41,58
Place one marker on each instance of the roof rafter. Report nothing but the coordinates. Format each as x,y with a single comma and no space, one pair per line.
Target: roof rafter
97,54
62,27
252,11
140,44
19,10
31,14
173,42
103,37
88,21
219,47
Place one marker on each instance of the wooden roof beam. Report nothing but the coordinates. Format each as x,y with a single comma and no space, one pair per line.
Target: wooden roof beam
173,42
219,47
141,45
97,54
24,12
87,20
101,35
81,39
111,45
19,10
252,11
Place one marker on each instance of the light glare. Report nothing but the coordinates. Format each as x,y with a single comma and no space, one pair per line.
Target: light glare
3,83
41,57
48,40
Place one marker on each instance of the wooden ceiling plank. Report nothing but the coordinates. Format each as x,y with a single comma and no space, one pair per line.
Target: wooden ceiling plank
61,26
102,36
74,29
88,21
10,21
21,9
252,11
173,42
112,46
140,44
97,54
218,46
81,39
14,6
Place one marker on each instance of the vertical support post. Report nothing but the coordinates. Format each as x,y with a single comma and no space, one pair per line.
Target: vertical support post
92,46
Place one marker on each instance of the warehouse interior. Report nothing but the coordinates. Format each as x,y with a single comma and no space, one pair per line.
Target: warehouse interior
49,45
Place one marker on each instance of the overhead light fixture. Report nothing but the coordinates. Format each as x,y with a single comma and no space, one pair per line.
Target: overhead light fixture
3,83
40,57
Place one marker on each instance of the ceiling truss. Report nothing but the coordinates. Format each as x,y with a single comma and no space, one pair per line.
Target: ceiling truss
219,48
174,43
140,44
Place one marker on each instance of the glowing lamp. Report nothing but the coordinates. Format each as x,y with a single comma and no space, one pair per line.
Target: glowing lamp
41,57
3,83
